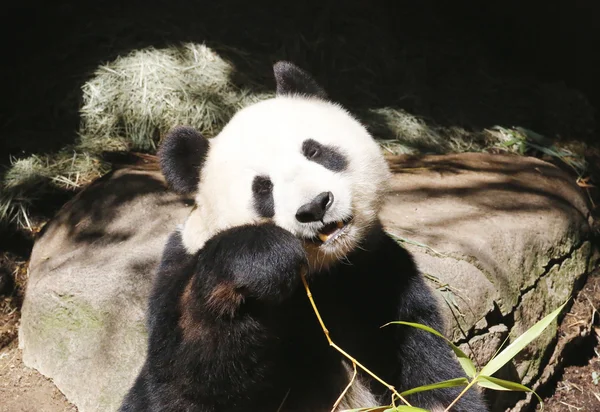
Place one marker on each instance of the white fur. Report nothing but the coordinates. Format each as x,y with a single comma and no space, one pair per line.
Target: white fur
266,139
358,396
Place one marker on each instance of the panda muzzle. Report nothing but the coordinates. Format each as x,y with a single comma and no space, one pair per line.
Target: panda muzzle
330,231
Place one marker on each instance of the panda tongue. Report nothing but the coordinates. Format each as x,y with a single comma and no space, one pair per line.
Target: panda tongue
329,230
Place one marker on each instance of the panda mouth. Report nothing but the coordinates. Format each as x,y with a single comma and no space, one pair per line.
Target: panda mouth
332,231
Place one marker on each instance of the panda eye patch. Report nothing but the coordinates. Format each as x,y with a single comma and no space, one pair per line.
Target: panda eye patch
262,189
262,185
327,156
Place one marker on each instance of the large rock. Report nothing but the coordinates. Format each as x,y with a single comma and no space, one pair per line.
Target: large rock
504,239
90,274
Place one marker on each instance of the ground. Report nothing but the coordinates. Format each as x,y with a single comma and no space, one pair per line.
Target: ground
25,390
577,389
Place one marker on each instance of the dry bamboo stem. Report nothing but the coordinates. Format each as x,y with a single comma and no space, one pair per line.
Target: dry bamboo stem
336,347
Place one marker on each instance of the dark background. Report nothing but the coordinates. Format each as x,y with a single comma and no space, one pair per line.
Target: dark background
51,48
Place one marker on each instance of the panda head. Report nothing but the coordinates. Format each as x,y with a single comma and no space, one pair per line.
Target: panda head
297,160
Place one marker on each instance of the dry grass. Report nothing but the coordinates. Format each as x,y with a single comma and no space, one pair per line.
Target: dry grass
30,178
132,101
400,132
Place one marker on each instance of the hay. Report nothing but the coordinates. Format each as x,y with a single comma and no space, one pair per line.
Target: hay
30,178
399,132
137,98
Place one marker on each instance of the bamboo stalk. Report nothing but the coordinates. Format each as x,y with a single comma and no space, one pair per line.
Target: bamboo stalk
340,350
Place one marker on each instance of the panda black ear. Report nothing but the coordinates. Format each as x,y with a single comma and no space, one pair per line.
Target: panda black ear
291,79
181,155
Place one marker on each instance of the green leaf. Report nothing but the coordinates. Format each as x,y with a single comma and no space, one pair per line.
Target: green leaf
517,346
444,384
464,360
502,385
510,142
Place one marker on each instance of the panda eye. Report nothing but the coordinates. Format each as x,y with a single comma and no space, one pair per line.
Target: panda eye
262,185
263,201
327,156
311,149
312,152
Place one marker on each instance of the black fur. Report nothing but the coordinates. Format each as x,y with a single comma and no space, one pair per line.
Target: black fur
229,355
327,156
292,80
269,346
262,189
181,155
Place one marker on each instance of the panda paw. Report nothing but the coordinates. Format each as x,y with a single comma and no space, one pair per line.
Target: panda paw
263,262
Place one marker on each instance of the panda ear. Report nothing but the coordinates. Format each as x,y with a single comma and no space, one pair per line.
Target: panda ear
181,155
291,79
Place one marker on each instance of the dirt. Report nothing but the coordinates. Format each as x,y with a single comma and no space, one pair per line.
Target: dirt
577,388
25,390
14,278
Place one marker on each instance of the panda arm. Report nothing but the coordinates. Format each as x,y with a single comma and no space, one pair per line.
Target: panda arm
256,262
421,357
426,358
215,318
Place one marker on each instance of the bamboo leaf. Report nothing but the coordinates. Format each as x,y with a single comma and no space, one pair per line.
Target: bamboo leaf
464,360
502,385
510,142
444,384
517,346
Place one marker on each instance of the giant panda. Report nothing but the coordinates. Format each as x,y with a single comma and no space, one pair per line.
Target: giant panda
291,185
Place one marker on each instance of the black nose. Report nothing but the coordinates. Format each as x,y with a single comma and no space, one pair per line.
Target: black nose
315,209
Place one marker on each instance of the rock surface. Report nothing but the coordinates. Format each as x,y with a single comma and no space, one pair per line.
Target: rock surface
90,274
503,239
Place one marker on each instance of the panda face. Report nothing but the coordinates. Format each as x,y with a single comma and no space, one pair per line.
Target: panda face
302,163
297,160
